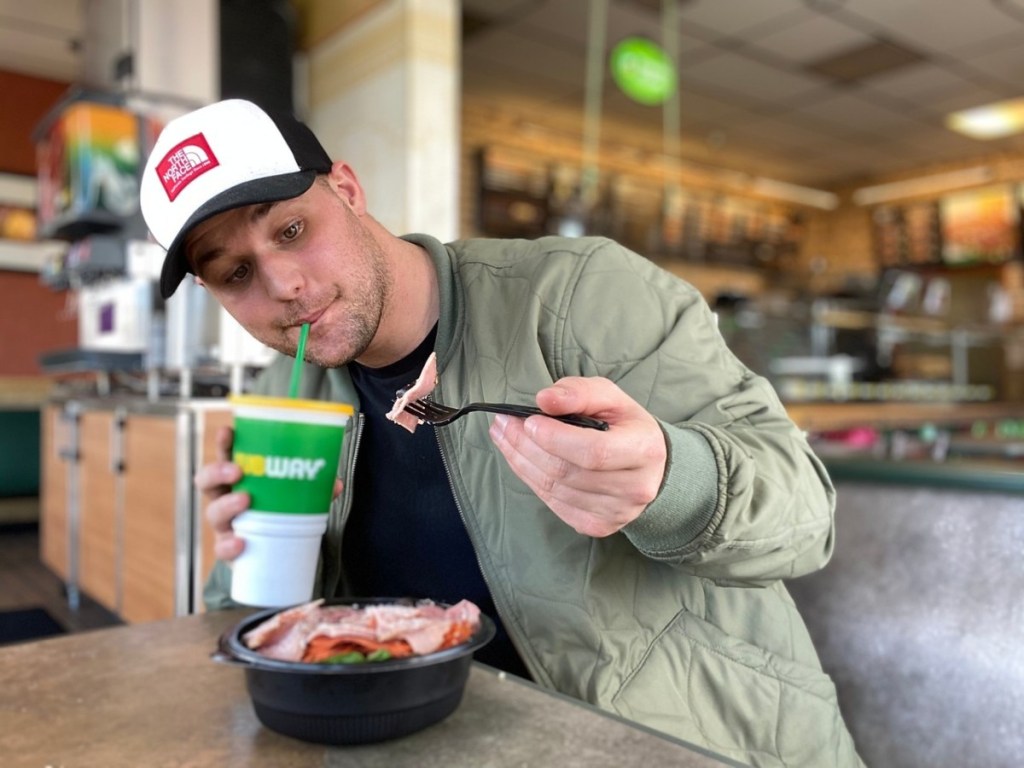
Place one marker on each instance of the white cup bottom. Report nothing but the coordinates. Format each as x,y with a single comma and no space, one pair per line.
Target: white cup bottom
278,565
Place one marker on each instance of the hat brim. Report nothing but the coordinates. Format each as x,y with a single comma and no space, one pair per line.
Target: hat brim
270,189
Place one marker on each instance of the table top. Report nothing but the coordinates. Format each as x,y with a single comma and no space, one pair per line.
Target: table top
148,694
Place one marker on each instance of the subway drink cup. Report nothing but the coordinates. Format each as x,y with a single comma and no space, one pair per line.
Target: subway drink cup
288,450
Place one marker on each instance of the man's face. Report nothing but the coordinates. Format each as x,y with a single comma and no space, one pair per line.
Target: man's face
309,259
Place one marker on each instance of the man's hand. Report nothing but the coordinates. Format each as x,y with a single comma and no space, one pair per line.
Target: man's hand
597,482
214,481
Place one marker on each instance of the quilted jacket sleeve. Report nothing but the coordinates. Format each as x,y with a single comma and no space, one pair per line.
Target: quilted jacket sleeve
745,499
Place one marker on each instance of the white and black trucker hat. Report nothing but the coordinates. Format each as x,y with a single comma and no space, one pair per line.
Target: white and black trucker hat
222,156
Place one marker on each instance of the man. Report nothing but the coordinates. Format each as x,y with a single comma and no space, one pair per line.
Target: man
638,568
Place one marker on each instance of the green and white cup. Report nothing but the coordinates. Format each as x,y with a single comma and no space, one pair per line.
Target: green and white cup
288,450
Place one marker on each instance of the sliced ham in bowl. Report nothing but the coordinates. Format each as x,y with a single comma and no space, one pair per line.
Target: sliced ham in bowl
317,633
356,703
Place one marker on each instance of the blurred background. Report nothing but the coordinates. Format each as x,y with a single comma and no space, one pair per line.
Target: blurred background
843,181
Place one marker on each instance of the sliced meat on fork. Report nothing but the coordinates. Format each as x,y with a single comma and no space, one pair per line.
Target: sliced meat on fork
422,387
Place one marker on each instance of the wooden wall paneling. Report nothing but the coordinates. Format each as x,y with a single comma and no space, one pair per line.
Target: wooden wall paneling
98,549
53,516
149,557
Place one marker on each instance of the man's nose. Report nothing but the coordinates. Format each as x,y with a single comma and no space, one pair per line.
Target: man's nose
282,278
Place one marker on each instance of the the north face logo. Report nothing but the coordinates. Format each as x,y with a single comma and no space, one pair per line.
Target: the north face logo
185,163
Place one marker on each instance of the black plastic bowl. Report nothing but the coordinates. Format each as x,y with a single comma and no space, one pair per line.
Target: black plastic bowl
352,703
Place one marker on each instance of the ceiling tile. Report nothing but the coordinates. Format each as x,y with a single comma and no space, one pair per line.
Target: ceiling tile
495,82
935,142
939,27
812,37
1004,62
920,84
695,106
856,114
729,17
782,131
525,54
690,48
570,19
565,25
755,81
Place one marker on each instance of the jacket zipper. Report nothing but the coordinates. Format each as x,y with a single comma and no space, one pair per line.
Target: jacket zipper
350,471
512,632
345,502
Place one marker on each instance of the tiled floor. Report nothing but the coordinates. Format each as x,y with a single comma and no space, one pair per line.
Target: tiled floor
26,583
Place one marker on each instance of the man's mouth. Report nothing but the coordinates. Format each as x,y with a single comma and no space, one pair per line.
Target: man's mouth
310,317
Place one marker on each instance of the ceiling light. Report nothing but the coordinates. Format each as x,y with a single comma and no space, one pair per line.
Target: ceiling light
990,121
925,185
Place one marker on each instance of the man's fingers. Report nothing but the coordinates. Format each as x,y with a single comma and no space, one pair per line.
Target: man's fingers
220,513
597,482
216,479
227,547
222,510
225,441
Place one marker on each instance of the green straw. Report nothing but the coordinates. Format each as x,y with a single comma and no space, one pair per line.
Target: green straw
293,390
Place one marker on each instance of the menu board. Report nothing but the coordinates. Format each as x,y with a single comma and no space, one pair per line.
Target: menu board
520,195
887,226
979,226
921,233
908,234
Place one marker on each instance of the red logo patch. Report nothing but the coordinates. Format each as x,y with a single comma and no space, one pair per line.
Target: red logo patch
185,163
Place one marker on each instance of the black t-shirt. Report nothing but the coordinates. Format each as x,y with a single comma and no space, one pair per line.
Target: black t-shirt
405,536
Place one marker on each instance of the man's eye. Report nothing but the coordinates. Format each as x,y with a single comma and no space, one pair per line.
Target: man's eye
291,231
239,274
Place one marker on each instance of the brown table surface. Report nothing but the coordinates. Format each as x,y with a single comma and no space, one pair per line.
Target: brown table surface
149,695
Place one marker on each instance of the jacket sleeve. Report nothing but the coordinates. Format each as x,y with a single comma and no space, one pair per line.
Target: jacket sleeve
744,499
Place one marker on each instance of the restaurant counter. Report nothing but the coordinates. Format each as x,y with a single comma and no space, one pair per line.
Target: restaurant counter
963,463
817,417
149,694
988,475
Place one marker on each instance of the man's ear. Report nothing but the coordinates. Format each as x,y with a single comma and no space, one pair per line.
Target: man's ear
344,182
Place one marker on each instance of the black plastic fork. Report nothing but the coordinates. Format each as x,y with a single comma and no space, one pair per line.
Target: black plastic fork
438,415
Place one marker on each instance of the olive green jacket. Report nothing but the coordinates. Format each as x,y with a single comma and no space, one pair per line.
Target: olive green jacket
681,620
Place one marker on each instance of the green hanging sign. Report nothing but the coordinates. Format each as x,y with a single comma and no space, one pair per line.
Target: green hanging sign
643,70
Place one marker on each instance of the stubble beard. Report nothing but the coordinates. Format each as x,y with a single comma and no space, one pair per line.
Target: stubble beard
352,334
